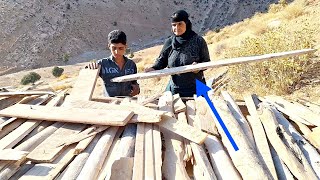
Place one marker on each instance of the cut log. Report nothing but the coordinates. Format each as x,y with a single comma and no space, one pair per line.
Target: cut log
73,115
75,167
220,159
270,125
105,172
207,65
122,169
33,142
257,169
98,155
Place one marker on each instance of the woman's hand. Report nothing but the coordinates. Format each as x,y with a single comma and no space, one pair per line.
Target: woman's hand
148,69
135,89
194,63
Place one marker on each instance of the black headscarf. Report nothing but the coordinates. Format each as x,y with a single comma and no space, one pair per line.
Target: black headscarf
178,41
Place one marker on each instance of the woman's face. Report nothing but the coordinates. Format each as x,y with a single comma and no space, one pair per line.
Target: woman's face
178,28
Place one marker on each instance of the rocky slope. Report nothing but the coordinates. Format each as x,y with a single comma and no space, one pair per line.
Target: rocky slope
38,33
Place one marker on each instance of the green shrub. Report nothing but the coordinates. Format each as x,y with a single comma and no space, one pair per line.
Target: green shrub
30,78
57,71
278,76
66,57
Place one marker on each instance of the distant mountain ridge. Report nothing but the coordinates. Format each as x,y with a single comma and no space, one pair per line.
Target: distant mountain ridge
38,33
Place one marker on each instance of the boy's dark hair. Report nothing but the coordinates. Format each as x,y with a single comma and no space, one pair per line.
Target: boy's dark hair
117,36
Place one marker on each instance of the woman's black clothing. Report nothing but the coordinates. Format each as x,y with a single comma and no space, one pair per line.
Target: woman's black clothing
180,51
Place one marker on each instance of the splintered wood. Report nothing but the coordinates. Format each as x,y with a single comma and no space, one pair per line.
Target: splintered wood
175,139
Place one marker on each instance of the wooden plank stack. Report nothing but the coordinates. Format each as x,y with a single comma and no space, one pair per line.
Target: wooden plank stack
46,136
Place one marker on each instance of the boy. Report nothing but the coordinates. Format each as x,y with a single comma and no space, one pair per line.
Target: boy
117,65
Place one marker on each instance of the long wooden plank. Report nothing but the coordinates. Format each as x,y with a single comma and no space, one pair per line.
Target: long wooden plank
47,151
308,150
142,114
203,168
173,164
84,86
12,155
73,115
260,137
236,112
26,93
298,169
294,110
138,165
50,171
257,170
157,147
213,64
149,172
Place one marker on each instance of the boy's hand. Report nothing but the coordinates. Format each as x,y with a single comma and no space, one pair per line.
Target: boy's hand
93,65
148,69
135,89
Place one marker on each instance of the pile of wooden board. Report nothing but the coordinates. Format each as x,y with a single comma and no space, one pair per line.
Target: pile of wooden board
53,136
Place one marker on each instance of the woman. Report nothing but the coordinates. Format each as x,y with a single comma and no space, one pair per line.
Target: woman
184,47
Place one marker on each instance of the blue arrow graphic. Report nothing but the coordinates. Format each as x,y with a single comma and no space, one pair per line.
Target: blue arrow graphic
202,89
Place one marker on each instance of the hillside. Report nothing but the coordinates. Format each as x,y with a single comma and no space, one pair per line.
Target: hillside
36,34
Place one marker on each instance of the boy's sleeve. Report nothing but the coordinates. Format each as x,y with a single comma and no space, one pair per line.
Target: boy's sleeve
162,60
135,72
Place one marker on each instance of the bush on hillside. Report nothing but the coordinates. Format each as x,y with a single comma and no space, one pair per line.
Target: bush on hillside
278,76
32,77
57,71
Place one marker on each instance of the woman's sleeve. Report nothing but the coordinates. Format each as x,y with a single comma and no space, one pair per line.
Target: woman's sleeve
162,60
204,53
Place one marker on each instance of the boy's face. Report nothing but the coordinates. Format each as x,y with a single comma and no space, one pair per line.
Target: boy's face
117,49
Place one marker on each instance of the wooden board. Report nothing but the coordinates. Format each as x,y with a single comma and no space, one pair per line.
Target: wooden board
64,114
12,155
84,86
47,151
182,129
141,113
207,65
138,165
26,93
